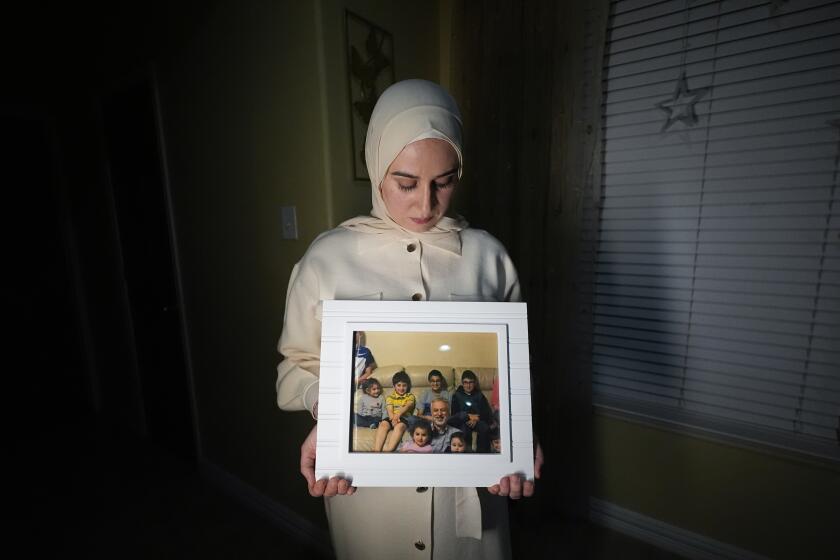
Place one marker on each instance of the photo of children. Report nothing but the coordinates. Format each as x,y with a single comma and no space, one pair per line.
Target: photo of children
408,407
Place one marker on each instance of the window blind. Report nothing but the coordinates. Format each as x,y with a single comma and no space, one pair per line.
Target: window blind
716,267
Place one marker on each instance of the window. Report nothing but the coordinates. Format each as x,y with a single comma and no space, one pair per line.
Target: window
716,292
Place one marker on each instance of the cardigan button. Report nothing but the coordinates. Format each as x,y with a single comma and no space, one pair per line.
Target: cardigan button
411,247
421,489
419,545
417,297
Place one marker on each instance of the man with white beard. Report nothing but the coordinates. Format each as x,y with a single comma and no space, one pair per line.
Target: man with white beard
441,431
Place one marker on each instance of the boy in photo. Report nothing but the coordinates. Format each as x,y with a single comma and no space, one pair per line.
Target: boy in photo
471,412
363,360
399,407
437,390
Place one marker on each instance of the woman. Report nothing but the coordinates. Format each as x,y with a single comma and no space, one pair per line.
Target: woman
407,249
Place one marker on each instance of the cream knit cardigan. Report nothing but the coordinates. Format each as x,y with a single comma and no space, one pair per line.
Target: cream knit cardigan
344,264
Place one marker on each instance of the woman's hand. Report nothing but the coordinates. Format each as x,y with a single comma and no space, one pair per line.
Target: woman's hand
513,485
323,487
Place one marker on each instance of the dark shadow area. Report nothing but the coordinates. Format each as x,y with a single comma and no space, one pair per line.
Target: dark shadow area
93,491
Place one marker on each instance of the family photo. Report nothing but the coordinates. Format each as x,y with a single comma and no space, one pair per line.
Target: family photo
425,392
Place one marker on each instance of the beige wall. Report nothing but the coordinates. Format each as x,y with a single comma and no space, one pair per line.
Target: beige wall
405,349
773,504
256,117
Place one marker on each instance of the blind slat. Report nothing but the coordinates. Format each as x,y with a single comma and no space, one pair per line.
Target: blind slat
698,29
764,247
652,121
615,153
711,210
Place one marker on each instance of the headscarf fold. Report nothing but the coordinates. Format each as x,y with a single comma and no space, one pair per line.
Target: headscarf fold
406,112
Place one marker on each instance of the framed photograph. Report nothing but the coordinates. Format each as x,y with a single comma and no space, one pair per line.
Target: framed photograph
424,393
370,69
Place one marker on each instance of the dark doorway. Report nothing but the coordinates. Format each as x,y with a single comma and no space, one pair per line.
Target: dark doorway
45,365
132,144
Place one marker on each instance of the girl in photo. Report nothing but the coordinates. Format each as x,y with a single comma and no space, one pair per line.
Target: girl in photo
421,436
457,443
370,408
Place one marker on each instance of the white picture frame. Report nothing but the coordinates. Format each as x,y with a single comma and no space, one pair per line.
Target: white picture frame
505,323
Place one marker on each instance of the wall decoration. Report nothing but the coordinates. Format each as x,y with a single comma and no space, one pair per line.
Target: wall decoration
370,70
681,106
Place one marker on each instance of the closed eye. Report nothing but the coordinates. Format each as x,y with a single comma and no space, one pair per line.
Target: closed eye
445,181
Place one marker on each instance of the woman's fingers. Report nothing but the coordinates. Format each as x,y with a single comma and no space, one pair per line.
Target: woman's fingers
328,488
538,461
332,487
528,488
307,460
344,486
317,490
504,486
513,486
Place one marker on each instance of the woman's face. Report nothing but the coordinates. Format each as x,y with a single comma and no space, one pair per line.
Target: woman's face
418,185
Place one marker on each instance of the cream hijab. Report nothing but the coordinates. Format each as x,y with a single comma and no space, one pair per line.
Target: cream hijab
406,112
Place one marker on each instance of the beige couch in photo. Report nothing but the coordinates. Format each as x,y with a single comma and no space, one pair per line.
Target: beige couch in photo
363,437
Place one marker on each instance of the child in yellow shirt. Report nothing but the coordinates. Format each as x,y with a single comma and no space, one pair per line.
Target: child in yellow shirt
399,406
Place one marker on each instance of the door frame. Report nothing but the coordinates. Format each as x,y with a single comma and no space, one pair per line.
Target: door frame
149,74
